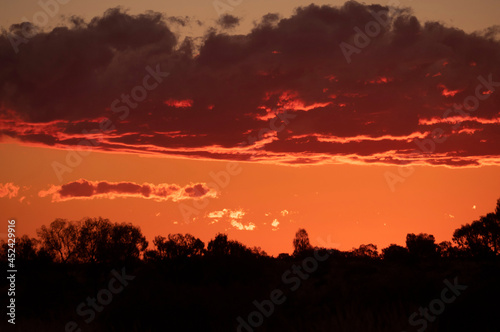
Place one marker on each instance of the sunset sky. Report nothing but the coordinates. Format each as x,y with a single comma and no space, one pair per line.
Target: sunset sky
275,117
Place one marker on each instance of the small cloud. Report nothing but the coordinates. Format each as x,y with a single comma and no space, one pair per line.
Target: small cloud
217,214
275,224
175,222
9,189
233,217
228,21
473,207
240,226
236,214
158,214
451,216
284,213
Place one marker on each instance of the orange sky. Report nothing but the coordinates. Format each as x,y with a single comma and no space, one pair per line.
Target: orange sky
466,14
332,168
344,205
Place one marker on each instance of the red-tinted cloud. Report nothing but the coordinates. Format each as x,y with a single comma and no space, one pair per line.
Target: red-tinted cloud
83,189
283,93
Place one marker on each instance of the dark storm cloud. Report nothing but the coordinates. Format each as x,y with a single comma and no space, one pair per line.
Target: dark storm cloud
286,92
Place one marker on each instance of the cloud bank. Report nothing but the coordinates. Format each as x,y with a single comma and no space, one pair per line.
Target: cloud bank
413,93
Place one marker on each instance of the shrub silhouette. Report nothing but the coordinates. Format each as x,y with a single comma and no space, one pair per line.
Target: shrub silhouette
422,245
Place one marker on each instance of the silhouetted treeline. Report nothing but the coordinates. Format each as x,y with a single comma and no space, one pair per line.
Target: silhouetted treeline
97,240
179,283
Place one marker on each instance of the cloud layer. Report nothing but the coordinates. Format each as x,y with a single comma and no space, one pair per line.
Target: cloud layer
283,93
83,189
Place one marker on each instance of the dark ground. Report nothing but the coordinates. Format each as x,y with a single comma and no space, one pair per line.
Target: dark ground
208,294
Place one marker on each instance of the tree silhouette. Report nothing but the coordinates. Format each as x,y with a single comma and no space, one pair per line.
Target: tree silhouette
179,245
395,253
365,250
60,239
257,251
126,242
221,246
422,245
301,242
26,248
481,237
93,240
97,240
446,249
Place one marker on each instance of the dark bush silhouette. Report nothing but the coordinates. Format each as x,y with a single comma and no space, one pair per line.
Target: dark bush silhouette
395,253
221,246
301,243
422,245
284,256
365,251
258,252
178,246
